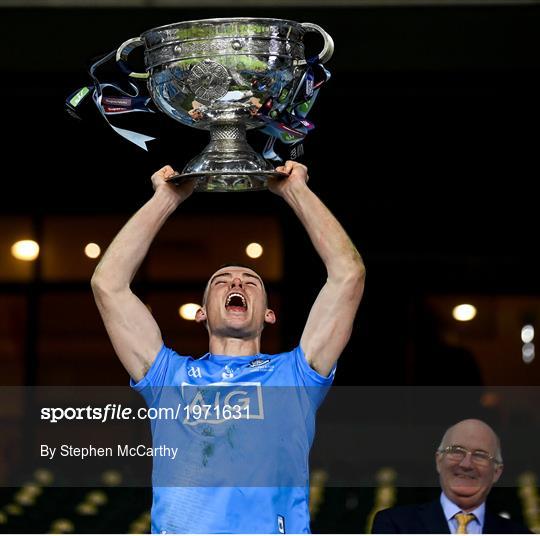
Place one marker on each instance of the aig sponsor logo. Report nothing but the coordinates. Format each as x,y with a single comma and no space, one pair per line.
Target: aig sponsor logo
221,402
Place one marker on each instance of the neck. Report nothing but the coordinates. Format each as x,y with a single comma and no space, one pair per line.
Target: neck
468,509
234,347
466,504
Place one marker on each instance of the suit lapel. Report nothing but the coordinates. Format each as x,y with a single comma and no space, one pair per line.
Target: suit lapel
492,525
432,517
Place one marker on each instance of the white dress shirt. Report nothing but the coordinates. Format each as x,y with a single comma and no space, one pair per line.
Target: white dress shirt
475,526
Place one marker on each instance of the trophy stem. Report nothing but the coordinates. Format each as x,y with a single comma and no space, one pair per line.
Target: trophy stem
230,138
229,147
228,163
234,131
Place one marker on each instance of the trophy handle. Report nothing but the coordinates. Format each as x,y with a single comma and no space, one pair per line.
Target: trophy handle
328,49
122,55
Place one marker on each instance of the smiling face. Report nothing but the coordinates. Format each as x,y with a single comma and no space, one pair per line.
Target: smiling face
235,304
467,482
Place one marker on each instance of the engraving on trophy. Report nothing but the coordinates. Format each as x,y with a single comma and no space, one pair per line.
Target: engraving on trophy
208,80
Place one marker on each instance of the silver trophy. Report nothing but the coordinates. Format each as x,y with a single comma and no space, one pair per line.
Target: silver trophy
216,74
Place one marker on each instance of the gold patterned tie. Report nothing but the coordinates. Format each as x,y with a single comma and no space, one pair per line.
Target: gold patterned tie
463,520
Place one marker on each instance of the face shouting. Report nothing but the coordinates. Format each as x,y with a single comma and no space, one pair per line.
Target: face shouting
235,304
468,463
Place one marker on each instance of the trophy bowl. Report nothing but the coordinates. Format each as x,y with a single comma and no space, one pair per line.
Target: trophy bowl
217,75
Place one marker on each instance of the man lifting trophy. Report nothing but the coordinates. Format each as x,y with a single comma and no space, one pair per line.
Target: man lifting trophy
244,463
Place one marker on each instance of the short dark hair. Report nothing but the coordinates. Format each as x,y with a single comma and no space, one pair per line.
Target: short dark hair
240,265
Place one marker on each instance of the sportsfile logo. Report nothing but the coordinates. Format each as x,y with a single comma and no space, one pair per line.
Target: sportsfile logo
221,402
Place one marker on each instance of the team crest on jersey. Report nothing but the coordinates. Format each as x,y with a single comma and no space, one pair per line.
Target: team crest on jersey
261,365
228,373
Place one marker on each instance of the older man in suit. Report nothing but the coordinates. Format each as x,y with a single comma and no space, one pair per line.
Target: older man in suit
469,462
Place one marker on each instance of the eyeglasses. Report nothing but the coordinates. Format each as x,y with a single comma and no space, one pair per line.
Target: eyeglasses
479,457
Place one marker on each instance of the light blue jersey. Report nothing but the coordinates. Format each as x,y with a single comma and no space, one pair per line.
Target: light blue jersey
243,428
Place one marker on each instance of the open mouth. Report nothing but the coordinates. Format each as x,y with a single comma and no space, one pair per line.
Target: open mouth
236,302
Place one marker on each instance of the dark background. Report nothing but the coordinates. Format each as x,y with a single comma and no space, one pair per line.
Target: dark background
425,148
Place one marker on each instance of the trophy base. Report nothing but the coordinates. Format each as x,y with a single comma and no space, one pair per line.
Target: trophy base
228,163
229,181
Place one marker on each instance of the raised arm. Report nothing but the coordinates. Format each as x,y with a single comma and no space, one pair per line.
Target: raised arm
134,333
330,320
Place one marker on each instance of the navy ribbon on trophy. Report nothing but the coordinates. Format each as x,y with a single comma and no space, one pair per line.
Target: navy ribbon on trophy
121,103
288,123
284,122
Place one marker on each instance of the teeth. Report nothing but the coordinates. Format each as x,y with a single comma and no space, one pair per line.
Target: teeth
235,294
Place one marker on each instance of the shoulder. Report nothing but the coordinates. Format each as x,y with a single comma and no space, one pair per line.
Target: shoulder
412,518
496,524
163,369
404,510
300,370
281,355
281,360
172,356
400,514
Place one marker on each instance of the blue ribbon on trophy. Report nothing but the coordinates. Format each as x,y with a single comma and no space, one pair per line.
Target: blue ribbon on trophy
284,123
288,123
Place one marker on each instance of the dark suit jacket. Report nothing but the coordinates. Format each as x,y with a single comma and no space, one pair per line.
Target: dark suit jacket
429,519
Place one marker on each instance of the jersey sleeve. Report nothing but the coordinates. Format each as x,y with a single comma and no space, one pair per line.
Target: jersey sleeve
317,384
159,375
305,374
